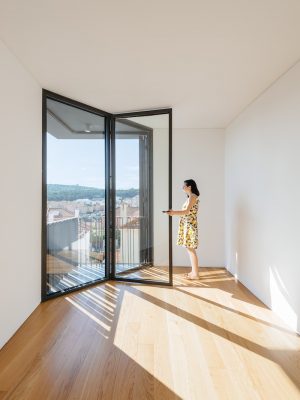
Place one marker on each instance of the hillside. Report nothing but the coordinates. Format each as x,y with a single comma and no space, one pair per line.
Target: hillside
74,192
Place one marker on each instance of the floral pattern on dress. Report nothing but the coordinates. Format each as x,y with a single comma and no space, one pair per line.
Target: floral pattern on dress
188,226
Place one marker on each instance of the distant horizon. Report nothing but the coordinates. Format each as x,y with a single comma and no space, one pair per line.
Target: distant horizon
90,187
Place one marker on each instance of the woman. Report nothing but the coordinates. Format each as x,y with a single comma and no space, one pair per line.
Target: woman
188,226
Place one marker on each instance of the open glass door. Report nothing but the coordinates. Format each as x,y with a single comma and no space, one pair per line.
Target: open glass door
141,165
106,180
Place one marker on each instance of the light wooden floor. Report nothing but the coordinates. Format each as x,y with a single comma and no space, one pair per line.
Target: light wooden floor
207,339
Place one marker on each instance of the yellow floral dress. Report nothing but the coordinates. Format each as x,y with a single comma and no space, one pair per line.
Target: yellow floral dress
188,226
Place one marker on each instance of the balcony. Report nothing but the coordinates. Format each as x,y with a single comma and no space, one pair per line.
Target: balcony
76,250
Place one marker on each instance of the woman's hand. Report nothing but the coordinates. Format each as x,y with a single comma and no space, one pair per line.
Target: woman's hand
170,212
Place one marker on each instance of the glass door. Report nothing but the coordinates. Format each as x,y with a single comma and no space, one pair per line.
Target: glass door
141,148
106,181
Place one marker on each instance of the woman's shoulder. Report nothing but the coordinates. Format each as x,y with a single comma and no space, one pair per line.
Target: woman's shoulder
195,200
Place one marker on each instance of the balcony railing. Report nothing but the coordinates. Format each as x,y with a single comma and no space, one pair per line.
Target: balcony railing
87,238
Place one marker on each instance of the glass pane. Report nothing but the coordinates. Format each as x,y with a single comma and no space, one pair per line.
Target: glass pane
142,193
75,197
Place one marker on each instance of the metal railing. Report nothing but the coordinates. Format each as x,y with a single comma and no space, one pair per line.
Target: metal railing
87,237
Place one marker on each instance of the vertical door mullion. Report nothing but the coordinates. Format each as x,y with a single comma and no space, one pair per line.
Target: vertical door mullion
170,200
107,198
113,198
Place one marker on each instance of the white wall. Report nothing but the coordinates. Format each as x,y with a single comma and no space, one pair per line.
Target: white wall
199,154
263,197
20,200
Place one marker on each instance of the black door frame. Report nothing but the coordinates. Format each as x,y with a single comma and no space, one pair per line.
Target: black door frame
143,114
109,192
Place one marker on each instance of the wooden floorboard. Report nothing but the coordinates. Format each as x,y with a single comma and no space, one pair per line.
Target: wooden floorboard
207,339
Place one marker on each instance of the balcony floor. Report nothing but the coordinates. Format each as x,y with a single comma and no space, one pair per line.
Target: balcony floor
64,272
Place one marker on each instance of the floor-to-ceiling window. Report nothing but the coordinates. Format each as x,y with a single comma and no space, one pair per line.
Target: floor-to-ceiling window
75,196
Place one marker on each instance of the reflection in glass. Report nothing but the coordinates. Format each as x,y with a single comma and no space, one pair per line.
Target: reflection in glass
142,192
75,197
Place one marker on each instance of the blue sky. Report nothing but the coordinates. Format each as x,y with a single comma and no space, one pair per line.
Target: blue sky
71,162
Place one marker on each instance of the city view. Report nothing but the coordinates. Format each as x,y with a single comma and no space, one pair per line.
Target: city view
76,233
65,201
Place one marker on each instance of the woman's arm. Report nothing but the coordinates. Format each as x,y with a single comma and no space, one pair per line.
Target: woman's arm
192,201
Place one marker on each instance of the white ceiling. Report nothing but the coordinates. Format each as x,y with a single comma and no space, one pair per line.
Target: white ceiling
205,59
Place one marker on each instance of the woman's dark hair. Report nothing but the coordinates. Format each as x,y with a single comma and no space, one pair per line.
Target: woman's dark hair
192,183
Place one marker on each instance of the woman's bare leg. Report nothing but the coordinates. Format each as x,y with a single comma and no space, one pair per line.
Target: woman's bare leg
194,261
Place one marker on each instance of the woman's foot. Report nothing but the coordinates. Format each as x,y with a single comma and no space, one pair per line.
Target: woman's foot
191,275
